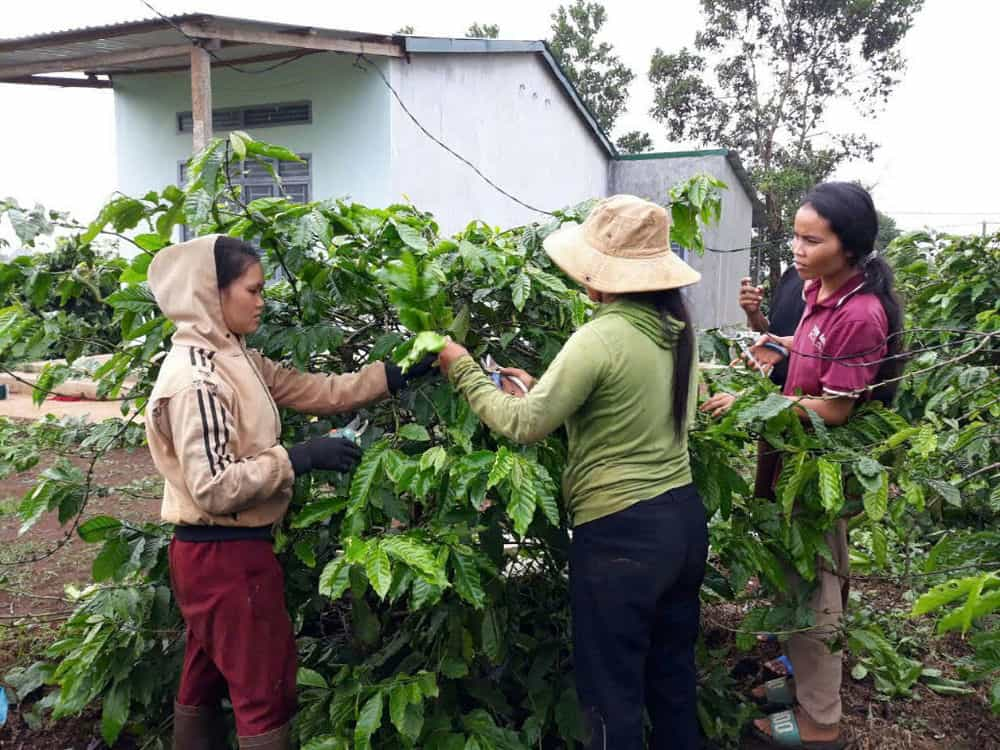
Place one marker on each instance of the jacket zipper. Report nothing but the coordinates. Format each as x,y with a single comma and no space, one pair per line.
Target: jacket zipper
270,399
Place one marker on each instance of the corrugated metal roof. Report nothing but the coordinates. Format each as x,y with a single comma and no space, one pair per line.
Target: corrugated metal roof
105,49
105,30
122,28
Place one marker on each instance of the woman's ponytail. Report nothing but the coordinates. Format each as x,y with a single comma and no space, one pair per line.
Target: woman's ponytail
879,280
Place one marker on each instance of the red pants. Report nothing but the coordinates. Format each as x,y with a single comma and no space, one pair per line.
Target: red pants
232,597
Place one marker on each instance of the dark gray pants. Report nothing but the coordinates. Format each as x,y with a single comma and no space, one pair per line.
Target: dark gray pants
634,583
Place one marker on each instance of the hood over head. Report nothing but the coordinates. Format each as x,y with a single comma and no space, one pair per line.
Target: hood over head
183,281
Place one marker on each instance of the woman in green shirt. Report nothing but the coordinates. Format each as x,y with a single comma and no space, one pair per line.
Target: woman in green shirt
624,385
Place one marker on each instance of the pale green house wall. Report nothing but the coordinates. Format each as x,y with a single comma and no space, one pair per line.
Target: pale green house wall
348,137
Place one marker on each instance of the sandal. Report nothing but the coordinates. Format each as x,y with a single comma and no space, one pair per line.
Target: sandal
779,693
778,667
785,733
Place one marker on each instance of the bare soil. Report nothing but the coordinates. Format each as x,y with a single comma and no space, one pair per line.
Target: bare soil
926,722
32,594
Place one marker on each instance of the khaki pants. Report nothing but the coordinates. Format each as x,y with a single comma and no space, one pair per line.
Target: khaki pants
818,670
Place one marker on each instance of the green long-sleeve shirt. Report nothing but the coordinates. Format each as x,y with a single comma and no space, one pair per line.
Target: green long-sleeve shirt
612,386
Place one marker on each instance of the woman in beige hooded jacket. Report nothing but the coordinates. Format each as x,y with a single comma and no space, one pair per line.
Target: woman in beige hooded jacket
214,432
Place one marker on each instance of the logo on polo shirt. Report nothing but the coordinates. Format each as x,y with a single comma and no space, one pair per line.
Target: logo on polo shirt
817,338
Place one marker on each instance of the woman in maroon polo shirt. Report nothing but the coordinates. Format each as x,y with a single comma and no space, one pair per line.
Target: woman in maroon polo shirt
846,344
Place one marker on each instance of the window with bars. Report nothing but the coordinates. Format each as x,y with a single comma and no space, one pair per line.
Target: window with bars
256,180
254,116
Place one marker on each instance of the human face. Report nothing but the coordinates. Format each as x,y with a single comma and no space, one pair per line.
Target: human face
816,249
243,301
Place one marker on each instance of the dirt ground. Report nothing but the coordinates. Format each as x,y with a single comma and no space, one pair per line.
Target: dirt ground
926,722
18,405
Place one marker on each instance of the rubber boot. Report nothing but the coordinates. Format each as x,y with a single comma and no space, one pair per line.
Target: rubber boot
276,739
198,728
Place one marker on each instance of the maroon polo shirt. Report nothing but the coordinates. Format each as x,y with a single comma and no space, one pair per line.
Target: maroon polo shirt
838,343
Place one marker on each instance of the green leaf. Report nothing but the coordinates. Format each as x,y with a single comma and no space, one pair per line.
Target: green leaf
270,151
547,280
523,496
306,677
427,682
98,528
415,432
411,237
424,343
831,489
369,721
435,459
492,635
335,579
880,546
305,550
460,326
467,582
454,668
520,290
794,475
868,468
317,512
115,712
365,476
876,501
326,742
945,593
502,465
399,699
951,494
770,407
111,560
417,555
137,299
379,570
238,141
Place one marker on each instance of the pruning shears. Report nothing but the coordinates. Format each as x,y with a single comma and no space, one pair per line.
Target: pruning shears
352,431
741,340
493,370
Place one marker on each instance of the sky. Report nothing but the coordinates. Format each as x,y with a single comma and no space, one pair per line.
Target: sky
937,165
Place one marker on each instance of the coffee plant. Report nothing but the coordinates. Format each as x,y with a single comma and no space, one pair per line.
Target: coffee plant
428,589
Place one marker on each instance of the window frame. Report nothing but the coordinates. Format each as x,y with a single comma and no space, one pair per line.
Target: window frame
242,110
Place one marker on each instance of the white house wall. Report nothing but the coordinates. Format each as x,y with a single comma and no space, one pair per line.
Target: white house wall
507,115
348,138
713,301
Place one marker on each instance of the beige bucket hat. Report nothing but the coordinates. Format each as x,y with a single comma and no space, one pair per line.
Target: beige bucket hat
623,246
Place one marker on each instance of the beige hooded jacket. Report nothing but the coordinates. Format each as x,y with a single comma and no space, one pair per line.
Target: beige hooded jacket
212,420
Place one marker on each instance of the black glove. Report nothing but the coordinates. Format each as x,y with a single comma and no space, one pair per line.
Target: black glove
397,379
324,454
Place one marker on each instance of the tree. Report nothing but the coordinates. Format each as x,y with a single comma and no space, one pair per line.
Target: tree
405,30
761,80
429,588
887,230
598,74
635,142
484,30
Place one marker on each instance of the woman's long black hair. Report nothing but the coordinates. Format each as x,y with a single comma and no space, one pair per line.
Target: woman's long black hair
850,212
669,303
